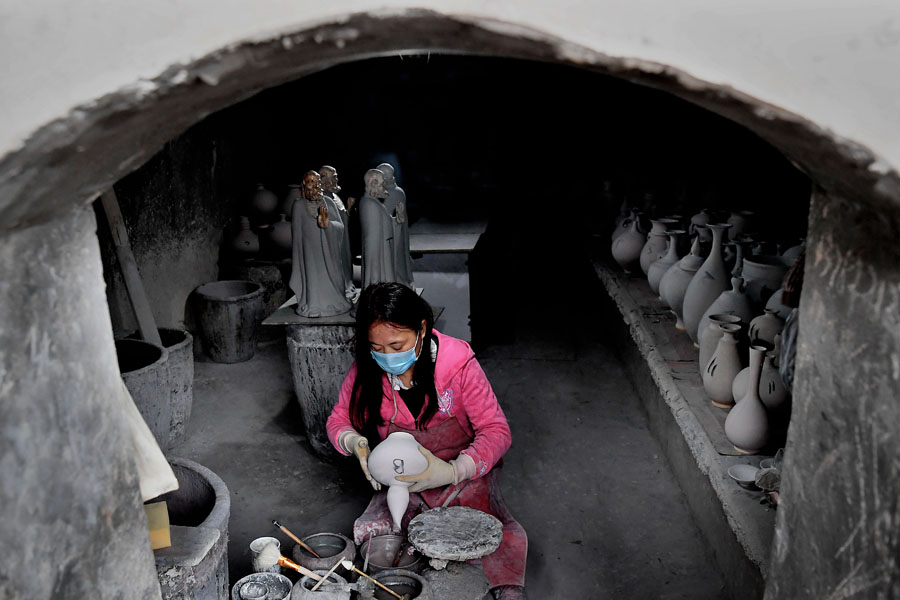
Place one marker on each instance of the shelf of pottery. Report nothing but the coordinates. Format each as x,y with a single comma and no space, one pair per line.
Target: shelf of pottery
724,286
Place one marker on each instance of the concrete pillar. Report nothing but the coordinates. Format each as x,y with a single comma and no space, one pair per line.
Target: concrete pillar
837,528
72,523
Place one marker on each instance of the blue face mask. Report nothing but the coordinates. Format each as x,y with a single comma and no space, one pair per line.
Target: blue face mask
396,363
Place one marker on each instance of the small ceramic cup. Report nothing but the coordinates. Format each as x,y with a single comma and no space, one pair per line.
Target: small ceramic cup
256,546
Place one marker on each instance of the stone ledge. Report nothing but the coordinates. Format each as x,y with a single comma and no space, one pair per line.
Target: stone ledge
680,389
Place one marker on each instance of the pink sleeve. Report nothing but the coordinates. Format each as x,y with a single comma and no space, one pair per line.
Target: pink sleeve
492,435
339,419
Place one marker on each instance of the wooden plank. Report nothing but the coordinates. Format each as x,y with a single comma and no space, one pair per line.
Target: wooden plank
130,273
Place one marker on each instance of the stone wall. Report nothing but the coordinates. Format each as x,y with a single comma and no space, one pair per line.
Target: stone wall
174,207
72,524
837,529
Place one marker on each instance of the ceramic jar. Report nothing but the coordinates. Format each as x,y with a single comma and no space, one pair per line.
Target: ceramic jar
713,334
765,327
775,304
659,267
762,276
790,256
747,425
625,224
655,245
287,205
264,203
701,218
280,236
245,243
732,302
711,280
676,280
398,454
626,249
739,221
725,364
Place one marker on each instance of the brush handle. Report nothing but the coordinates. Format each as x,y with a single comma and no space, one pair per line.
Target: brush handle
286,562
299,541
379,584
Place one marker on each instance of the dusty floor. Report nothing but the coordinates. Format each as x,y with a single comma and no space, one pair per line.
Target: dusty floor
604,515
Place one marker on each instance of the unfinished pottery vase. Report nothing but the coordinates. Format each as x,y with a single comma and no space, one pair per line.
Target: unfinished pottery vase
765,327
712,279
625,224
771,390
701,218
626,249
280,236
655,246
659,267
747,425
244,243
713,334
762,276
739,220
729,302
775,304
676,280
264,202
398,454
722,368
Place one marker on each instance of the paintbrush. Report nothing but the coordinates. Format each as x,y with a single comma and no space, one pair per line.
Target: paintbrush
295,538
327,575
269,557
348,564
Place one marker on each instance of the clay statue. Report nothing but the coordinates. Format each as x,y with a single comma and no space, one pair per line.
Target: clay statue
396,206
377,225
317,274
398,454
331,187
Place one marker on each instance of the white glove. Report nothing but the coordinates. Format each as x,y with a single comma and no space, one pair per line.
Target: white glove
358,445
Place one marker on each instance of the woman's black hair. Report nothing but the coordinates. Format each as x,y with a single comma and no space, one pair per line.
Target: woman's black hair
395,304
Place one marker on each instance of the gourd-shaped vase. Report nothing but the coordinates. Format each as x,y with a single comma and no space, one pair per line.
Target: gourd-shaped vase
701,218
713,334
742,247
287,205
762,276
659,268
398,454
711,280
771,386
655,245
626,249
731,302
747,425
775,304
676,280
264,203
771,390
765,327
722,368
739,220
245,243
280,236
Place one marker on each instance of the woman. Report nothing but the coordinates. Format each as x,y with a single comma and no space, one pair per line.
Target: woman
409,377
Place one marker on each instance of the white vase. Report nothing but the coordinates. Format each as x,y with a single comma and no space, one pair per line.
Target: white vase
659,267
747,425
711,279
655,245
765,327
398,454
676,280
729,302
712,335
725,364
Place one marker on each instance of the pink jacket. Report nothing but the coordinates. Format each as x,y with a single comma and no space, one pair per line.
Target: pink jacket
463,392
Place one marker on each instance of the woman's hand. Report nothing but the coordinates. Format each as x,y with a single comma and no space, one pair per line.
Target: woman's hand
359,447
438,473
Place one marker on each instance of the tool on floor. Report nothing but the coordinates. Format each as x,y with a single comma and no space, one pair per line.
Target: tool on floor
295,538
269,557
348,564
327,575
